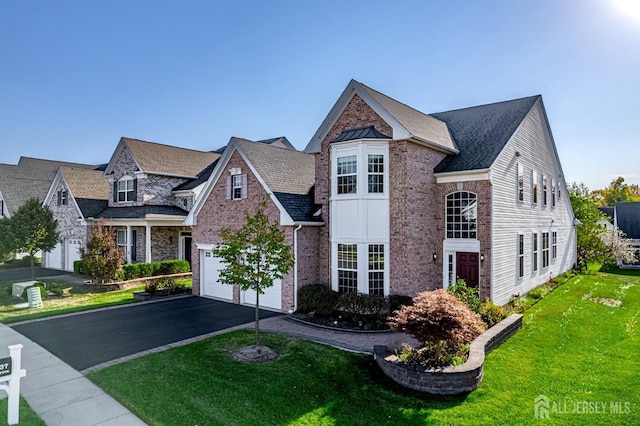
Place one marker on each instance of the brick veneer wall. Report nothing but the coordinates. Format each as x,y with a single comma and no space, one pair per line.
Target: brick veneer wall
450,380
218,213
415,216
356,114
483,191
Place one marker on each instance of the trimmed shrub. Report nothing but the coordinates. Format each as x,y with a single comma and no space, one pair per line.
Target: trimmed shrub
358,306
491,313
80,268
438,315
170,267
396,301
326,302
307,295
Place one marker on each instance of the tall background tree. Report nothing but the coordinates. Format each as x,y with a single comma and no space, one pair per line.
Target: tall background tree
31,229
254,256
102,257
595,243
617,192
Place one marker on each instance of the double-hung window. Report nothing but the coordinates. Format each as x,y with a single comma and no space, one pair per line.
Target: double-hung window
545,249
376,173
520,255
534,252
126,190
348,268
347,174
237,187
554,245
534,186
544,190
553,192
376,269
62,198
520,182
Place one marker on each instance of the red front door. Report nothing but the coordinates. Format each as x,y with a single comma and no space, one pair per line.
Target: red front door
467,268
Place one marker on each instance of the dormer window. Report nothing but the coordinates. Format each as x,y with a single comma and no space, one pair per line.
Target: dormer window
126,189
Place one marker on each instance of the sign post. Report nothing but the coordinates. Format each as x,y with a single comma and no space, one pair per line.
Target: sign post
11,372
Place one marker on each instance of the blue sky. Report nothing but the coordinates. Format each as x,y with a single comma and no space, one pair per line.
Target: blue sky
75,76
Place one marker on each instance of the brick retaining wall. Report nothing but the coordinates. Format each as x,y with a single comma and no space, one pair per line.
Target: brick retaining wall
450,380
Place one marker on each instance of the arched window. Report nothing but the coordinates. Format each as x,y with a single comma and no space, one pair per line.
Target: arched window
126,189
462,212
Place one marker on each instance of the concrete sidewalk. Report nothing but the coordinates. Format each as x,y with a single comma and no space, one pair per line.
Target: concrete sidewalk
59,394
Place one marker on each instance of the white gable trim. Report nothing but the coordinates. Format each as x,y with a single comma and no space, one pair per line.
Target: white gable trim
59,177
353,88
192,218
122,145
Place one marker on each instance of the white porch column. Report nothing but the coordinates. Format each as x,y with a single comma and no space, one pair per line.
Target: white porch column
129,243
147,245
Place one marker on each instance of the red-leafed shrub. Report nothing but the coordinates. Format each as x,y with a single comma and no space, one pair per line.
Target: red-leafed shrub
437,316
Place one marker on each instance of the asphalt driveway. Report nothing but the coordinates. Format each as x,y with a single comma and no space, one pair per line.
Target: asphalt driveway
92,338
17,274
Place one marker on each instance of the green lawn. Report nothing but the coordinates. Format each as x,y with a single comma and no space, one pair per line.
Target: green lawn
573,349
26,415
76,299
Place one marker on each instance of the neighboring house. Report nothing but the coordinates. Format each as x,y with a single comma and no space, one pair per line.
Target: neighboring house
626,217
247,173
152,187
76,197
30,178
405,202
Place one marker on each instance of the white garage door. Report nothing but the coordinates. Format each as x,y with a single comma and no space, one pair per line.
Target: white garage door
54,257
272,297
210,271
73,253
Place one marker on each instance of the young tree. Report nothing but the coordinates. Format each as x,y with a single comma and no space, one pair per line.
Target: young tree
589,233
255,255
31,229
103,257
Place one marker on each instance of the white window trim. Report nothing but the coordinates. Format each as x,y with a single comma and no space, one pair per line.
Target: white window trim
520,182
126,180
534,187
362,264
547,250
446,215
361,148
520,263
535,252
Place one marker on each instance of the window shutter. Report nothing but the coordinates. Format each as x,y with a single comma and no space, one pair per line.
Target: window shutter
59,197
115,192
135,189
228,187
244,186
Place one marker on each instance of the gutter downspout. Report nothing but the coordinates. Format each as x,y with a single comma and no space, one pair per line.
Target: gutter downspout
295,268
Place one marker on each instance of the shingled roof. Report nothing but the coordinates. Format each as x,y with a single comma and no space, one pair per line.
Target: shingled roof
161,159
30,178
421,125
628,219
145,212
481,132
89,188
283,170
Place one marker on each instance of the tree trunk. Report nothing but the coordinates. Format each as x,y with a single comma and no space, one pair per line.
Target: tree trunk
33,272
257,343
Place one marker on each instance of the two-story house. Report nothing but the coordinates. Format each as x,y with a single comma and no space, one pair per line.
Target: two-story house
406,201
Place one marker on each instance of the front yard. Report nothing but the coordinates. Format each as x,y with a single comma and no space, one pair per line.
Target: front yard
76,298
577,356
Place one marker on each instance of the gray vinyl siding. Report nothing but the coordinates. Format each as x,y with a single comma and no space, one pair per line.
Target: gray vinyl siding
536,149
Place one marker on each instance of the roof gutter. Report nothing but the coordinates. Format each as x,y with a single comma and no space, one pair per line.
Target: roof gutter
434,145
